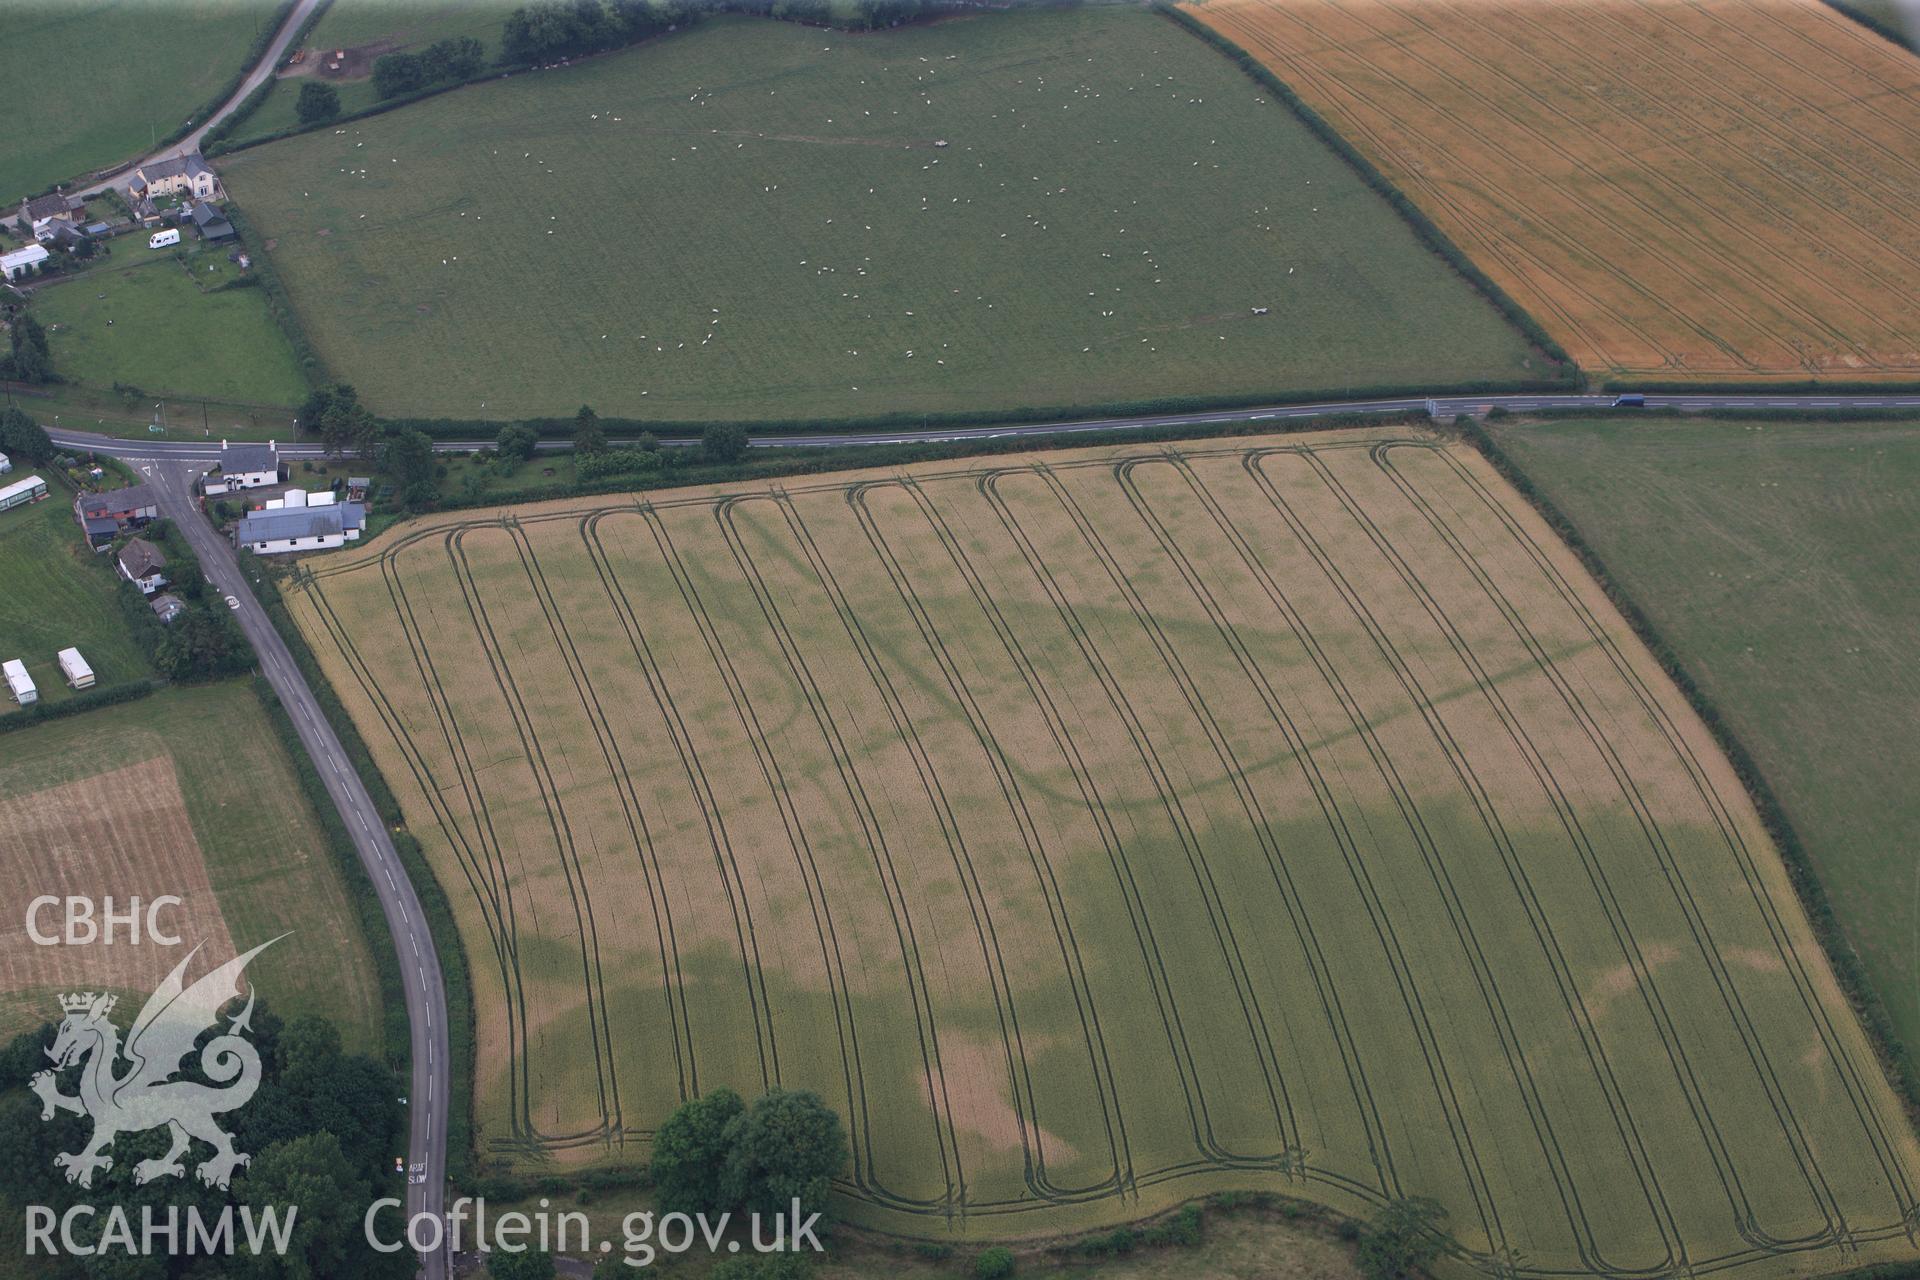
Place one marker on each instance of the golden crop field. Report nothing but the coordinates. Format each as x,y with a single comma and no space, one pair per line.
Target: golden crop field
1675,189
1099,828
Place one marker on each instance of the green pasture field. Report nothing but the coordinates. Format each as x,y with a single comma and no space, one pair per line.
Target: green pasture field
97,82
1885,12
1778,561
129,416
390,25
169,333
57,592
754,220
263,851
1101,828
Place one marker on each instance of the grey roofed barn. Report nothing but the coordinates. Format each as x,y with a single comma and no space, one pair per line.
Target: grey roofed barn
281,524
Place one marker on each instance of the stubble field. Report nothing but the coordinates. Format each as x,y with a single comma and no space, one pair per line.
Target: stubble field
1707,189
184,792
758,220
1100,828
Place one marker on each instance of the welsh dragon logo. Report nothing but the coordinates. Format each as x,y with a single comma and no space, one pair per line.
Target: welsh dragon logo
144,1095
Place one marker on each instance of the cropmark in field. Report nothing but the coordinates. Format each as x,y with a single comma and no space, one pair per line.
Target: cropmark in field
1679,189
759,220
1101,828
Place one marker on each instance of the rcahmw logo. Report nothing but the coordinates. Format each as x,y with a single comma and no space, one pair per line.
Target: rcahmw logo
129,1088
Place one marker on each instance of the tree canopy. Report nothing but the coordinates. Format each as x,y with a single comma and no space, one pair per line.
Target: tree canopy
317,103
787,1147
27,358
23,438
1402,1239
690,1153
588,435
724,442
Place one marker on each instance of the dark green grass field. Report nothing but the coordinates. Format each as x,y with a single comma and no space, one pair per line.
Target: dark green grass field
169,330
90,83
54,592
1778,560
755,220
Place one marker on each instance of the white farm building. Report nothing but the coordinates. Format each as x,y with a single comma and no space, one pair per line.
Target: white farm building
22,261
74,667
300,522
19,683
245,466
21,492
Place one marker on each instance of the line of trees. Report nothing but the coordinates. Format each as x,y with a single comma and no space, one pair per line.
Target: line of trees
456,58
344,425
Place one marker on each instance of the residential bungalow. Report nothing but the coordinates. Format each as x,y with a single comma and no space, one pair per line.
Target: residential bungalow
300,522
104,516
209,221
21,492
74,667
141,563
21,262
19,683
245,466
166,606
64,236
57,207
176,175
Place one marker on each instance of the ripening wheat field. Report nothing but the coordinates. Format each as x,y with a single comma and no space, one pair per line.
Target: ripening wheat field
1679,189
1098,828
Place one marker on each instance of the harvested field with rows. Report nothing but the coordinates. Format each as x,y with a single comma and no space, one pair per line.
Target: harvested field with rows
1681,190
1099,828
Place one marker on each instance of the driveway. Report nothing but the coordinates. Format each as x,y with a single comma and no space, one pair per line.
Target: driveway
257,75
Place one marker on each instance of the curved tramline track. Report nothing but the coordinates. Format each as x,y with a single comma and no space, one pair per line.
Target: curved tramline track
1095,832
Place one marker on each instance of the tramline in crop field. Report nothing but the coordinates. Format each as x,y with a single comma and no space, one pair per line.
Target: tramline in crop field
1095,829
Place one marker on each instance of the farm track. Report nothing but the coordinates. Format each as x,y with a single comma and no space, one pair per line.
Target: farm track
1293,798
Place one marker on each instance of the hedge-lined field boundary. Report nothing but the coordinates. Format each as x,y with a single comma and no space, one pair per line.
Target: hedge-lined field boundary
777,462
1428,232
1808,386
551,428
1895,1059
93,699
433,899
1871,23
395,1044
242,113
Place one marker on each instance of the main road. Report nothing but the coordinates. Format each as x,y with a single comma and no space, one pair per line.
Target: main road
425,991
1443,407
172,465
